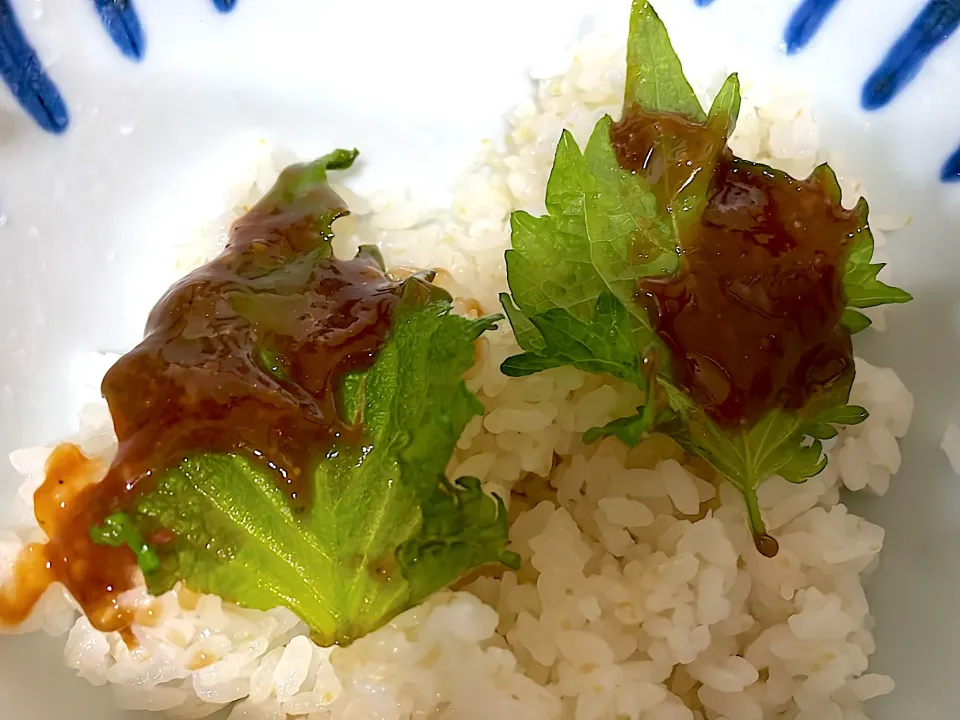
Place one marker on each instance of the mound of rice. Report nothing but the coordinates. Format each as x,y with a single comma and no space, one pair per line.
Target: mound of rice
641,594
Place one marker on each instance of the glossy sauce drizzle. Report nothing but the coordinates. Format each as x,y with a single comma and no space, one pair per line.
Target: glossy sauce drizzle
752,316
243,355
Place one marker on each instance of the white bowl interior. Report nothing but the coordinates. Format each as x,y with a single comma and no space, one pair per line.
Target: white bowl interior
153,147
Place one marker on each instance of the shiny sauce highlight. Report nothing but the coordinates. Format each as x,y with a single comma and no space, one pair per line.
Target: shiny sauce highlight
752,315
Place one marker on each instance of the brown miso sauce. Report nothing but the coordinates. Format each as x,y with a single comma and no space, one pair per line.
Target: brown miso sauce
94,579
244,355
752,316
766,545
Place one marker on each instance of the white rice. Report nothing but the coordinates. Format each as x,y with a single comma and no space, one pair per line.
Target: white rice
641,594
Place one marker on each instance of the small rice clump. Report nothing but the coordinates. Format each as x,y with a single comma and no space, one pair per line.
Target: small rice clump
641,594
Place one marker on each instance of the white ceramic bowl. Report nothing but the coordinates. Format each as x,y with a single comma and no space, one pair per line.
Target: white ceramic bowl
151,146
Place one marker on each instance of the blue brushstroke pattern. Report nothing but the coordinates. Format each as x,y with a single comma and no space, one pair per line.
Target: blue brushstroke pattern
224,6
935,23
805,22
703,3
951,169
119,18
24,75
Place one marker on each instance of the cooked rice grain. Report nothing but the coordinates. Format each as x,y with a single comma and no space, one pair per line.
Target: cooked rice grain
641,593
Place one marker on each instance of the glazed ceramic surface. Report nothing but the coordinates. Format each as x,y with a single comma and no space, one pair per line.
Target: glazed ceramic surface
122,125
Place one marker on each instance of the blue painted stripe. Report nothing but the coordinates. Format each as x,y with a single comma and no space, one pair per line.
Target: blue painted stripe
951,169
224,6
21,70
935,23
805,22
703,3
119,18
